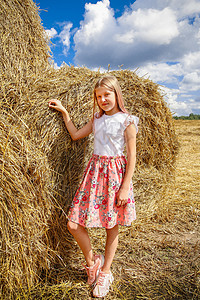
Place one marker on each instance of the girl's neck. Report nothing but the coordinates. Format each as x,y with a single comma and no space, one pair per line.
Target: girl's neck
112,112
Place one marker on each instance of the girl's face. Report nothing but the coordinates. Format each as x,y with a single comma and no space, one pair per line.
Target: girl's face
106,100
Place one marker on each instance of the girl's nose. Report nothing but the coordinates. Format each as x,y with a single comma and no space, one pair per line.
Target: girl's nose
103,99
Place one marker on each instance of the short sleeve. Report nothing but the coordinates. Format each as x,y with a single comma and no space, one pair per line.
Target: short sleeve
131,120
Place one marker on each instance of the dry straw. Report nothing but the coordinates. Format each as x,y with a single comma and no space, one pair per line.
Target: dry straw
26,207
40,166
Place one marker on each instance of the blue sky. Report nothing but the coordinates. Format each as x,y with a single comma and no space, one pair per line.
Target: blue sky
160,38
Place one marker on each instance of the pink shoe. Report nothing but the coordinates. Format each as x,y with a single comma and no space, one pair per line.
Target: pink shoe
93,271
103,284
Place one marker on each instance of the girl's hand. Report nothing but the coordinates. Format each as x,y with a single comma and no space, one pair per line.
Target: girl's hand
122,197
56,104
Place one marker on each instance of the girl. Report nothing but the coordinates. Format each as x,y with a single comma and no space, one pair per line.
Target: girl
105,195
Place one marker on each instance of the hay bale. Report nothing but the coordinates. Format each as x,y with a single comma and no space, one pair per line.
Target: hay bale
25,210
23,44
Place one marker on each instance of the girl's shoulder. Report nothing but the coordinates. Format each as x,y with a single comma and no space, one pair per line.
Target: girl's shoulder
130,119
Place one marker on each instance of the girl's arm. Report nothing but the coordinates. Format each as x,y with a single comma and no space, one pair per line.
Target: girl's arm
75,133
130,138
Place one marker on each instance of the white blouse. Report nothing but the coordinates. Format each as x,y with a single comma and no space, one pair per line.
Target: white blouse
109,130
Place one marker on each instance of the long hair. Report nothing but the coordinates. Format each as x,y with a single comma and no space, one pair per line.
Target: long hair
111,83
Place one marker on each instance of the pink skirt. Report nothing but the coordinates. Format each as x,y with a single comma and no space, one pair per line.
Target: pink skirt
94,204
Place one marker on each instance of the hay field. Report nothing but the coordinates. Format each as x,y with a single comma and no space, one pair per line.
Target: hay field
158,257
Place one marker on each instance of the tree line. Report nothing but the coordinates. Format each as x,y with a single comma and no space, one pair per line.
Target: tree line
190,117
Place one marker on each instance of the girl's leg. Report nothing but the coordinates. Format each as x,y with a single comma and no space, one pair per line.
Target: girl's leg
81,236
105,276
110,248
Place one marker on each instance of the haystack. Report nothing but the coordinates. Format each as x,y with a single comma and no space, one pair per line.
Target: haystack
39,161
23,46
25,210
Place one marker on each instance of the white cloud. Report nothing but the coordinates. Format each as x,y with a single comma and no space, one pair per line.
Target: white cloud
183,8
126,37
184,99
162,72
151,26
191,61
177,107
65,34
93,44
137,37
98,19
51,32
198,37
191,82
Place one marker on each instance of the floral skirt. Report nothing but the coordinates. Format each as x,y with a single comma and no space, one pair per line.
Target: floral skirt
94,204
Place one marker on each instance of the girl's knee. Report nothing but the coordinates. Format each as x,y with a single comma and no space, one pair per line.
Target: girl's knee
112,231
72,227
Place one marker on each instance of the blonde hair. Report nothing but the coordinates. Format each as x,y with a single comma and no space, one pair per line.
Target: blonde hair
111,83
